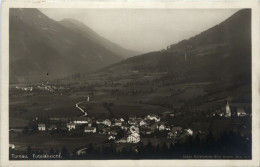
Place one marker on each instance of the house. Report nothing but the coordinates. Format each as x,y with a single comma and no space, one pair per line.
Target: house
133,138
132,122
107,122
89,123
41,127
104,122
241,112
143,123
134,129
118,123
161,127
111,138
71,126
52,127
189,132
80,120
88,129
153,117
81,151
122,120
12,146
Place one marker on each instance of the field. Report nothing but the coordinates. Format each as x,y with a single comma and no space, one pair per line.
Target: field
45,141
43,106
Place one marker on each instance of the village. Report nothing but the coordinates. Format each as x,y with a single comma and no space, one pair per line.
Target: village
130,130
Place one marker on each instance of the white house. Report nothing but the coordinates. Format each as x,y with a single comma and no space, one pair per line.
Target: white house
107,122
134,129
81,120
161,127
71,126
12,146
153,117
41,127
241,112
189,132
88,129
133,138
111,138
143,123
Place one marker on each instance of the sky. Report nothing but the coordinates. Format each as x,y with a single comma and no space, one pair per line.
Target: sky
144,30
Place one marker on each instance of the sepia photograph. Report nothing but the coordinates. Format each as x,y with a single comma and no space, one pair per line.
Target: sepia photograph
130,83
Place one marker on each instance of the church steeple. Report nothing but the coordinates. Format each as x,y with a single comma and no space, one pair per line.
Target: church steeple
228,110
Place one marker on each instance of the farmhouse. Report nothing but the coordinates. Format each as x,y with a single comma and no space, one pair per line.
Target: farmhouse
71,126
133,138
88,129
41,127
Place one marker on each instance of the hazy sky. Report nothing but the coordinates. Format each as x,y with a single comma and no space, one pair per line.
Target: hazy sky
145,30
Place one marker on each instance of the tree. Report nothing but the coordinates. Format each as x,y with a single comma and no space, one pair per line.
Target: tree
64,152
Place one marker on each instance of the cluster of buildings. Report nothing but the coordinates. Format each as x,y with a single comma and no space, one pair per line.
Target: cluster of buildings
227,112
41,87
27,89
132,128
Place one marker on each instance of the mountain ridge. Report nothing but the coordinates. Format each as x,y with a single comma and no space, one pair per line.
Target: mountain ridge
40,45
221,53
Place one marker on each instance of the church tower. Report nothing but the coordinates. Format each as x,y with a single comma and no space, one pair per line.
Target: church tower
228,111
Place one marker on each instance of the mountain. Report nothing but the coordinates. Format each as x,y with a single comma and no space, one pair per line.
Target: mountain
221,53
82,29
44,49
